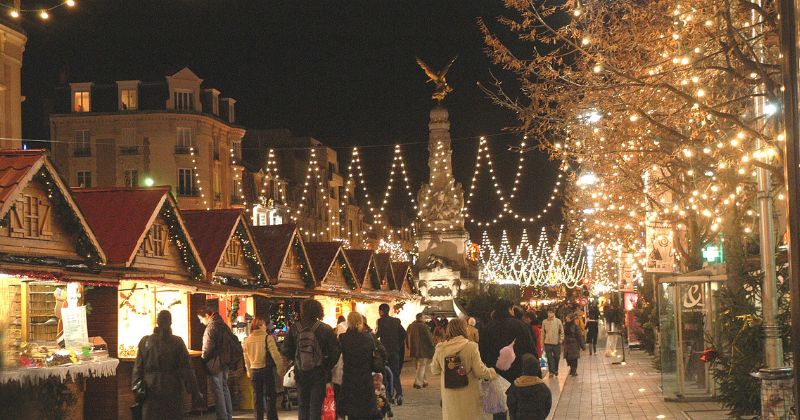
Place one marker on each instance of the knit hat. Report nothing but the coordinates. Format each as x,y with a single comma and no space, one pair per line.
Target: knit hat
530,365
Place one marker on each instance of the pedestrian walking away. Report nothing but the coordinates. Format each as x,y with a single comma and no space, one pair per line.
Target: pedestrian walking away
358,391
553,333
263,361
420,343
500,332
529,398
392,336
460,356
313,346
217,346
592,328
573,344
162,365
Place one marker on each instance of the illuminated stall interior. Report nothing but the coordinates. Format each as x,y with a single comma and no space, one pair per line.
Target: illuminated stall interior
140,303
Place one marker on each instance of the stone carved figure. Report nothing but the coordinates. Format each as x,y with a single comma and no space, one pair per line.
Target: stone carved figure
438,78
441,205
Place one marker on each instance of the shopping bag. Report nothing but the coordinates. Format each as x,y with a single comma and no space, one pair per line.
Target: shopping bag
493,395
288,379
329,405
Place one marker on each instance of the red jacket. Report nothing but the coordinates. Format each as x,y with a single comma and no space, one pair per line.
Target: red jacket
537,330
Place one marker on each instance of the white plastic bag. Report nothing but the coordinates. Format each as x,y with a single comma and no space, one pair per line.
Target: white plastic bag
493,395
288,379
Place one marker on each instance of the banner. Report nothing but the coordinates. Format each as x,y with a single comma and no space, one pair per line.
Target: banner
627,271
660,251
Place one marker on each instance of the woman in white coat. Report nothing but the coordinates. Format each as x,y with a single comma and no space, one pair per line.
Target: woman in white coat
461,403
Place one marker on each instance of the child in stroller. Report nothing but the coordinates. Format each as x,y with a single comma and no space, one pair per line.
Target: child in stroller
384,407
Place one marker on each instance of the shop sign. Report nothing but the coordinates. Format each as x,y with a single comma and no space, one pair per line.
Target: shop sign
693,298
627,271
75,330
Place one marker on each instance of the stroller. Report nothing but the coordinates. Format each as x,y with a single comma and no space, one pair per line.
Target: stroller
381,397
288,396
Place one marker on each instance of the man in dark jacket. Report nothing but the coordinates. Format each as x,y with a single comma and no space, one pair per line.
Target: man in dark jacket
218,373
420,343
500,332
393,337
311,383
529,398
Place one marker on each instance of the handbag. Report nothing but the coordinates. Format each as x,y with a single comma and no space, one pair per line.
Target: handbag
289,379
455,375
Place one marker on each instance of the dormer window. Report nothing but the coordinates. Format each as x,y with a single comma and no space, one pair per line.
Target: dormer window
81,97
128,99
184,100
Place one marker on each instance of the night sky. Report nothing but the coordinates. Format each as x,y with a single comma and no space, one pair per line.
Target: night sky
341,71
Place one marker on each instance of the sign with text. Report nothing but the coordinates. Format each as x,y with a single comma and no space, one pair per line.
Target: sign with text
75,331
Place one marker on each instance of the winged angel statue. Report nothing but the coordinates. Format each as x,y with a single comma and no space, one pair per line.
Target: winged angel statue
438,78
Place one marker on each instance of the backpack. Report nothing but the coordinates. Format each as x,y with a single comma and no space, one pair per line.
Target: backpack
231,353
308,354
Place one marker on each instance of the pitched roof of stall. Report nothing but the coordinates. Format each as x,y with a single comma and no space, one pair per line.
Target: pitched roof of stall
401,270
273,242
17,169
383,262
322,255
211,230
120,217
359,260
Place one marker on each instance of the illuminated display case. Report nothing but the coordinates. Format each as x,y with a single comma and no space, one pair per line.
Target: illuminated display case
139,304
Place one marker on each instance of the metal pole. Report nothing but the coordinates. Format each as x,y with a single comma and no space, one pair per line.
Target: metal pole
773,346
788,31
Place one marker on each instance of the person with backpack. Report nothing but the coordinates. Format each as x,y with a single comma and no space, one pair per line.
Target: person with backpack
458,361
162,371
503,334
262,360
393,337
314,348
222,353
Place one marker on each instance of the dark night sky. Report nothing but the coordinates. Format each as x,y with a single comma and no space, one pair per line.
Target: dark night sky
341,71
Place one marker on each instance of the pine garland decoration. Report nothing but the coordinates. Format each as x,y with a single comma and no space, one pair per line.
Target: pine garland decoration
347,272
305,271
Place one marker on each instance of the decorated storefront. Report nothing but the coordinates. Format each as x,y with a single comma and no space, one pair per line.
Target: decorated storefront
49,259
687,312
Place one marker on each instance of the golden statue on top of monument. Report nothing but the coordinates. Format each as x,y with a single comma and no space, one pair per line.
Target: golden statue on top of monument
438,78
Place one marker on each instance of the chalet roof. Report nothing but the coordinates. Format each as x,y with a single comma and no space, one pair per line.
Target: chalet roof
322,255
120,217
383,263
211,230
274,243
401,274
17,169
360,260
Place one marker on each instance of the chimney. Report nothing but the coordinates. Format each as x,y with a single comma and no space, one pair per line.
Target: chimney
227,109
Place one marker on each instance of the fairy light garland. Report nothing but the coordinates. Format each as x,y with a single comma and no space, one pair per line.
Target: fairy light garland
313,171
398,165
16,11
197,178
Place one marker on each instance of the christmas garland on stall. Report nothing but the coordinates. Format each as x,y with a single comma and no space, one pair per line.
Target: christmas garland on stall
249,252
305,271
347,272
374,277
178,236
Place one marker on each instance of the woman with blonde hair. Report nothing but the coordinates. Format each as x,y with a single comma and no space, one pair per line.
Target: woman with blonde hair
262,360
358,395
459,362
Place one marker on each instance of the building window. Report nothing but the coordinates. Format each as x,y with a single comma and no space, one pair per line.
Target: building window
82,145
217,187
186,185
128,99
131,178
128,144
275,217
185,141
80,101
215,147
84,179
259,215
237,150
184,101
236,192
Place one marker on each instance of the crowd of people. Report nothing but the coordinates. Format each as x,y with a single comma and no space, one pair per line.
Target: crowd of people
363,366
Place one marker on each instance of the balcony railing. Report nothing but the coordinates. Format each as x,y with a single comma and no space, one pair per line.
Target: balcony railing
185,150
188,193
237,200
82,152
129,150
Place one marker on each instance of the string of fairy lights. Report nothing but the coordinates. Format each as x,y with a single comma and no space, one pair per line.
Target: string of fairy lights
16,11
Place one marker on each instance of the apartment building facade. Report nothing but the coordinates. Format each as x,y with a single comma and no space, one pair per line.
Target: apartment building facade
12,47
136,133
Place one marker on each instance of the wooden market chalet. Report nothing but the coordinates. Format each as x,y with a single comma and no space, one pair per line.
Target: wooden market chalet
128,253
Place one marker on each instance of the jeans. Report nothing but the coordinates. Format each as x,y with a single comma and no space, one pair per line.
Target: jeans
222,395
553,352
311,395
394,365
592,344
422,371
264,394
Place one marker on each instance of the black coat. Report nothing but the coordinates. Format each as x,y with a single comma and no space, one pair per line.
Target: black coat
358,393
391,333
529,399
329,345
498,334
573,341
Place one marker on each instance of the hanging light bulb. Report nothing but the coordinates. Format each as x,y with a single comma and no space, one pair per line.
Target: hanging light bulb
14,13
70,3
44,15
